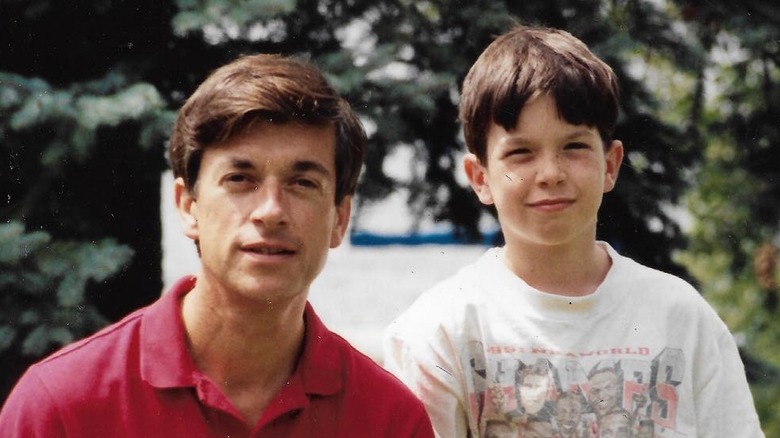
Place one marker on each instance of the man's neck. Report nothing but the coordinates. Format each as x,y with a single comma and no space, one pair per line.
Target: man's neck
250,355
568,270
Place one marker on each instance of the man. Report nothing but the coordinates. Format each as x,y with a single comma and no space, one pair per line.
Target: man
604,394
266,157
615,424
568,415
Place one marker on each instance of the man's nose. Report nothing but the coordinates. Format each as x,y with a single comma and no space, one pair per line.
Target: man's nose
270,207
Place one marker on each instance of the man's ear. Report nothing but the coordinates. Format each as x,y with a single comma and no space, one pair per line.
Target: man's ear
187,207
343,212
477,176
614,158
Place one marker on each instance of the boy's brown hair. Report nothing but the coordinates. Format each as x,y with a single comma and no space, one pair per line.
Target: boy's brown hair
527,62
271,88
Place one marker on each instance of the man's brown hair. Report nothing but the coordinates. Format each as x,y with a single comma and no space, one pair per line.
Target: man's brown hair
271,88
527,62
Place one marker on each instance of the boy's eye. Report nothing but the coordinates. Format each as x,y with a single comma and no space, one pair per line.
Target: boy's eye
519,151
577,145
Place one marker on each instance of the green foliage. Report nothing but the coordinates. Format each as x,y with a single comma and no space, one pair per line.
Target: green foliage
85,110
43,283
735,203
81,149
195,15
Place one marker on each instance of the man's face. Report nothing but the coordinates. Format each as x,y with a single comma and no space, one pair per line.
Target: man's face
545,177
533,392
264,213
568,412
615,426
603,392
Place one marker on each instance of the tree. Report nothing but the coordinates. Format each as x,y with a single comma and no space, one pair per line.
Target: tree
85,110
81,133
419,55
735,203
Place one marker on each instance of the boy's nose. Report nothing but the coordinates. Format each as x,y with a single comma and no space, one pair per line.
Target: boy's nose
551,170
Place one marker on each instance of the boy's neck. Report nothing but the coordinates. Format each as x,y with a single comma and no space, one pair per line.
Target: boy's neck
566,270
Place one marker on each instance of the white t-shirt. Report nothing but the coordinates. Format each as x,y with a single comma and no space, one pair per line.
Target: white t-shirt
492,357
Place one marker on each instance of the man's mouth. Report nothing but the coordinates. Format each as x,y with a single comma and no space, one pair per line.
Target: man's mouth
271,248
270,251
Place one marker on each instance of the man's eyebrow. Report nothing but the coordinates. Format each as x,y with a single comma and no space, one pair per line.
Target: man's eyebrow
310,166
241,164
298,166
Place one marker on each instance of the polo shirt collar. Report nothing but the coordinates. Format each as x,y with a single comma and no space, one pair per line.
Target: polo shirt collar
165,357
166,361
321,363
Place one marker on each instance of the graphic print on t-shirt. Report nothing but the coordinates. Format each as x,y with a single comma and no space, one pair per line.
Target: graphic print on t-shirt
627,392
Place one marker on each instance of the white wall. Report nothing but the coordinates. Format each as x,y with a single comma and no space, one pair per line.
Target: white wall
360,291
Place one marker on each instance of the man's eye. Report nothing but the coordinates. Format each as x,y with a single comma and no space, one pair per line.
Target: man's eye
305,182
239,182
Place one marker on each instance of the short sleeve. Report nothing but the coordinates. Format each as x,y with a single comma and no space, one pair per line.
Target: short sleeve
30,411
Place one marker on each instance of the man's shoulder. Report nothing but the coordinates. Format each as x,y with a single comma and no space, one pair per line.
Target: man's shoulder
372,395
75,377
106,337
90,359
360,369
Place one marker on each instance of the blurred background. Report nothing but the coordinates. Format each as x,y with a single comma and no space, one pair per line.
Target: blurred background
89,89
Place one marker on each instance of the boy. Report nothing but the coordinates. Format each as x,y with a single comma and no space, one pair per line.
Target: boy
266,157
538,111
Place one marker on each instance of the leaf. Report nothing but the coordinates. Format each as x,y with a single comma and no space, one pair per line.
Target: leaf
7,337
36,342
129,104
15,244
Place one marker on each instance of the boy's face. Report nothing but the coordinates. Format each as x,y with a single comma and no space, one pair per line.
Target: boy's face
263,211
546,177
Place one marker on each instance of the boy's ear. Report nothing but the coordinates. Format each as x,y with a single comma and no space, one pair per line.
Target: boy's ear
614,158
477,176
187,207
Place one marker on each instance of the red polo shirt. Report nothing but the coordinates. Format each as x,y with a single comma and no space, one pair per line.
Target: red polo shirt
136,378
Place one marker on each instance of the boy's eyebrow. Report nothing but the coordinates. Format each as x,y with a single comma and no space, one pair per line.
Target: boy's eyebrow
574,134
580,132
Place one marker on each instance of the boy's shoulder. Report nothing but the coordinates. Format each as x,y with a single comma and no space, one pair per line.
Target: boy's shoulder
629,272
651,288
